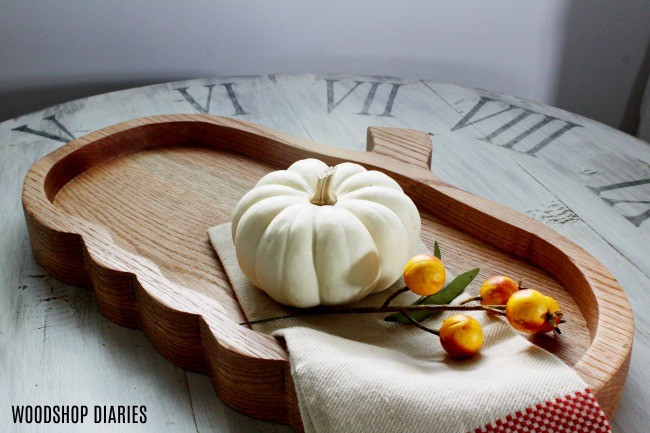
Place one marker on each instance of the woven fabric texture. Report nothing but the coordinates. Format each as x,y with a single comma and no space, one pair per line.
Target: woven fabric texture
360,373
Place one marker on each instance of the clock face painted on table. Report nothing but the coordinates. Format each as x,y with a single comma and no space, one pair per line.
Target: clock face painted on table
572,157
585,180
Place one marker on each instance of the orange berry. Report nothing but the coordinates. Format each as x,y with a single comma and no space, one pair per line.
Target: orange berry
530,311
497,290
553,319
424,274
461,336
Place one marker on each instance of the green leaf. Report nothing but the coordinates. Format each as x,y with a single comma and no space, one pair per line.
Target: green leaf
436,250
420,300
445,296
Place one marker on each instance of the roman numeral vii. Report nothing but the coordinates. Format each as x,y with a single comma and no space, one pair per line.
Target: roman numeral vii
332,103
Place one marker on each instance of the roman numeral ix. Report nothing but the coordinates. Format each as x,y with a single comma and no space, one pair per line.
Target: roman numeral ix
370,97
205,108
64,138
637,220
521,113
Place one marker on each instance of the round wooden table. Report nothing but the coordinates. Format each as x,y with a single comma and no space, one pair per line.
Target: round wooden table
587,181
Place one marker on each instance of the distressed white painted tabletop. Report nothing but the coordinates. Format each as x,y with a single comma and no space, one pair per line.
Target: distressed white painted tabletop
587,181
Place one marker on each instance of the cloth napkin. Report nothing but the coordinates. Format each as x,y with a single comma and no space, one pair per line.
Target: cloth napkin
358,373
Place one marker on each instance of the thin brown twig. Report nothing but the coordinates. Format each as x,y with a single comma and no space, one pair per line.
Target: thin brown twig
388,309
394,295
418,324
475,298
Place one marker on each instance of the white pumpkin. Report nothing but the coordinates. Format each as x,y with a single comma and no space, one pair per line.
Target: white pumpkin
312,235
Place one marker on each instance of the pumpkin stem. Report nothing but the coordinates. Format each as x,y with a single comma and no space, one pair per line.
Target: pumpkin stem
323,194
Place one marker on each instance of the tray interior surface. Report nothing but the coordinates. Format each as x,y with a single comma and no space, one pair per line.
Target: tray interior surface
159,202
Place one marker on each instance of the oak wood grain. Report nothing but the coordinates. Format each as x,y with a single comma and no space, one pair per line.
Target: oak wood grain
125,210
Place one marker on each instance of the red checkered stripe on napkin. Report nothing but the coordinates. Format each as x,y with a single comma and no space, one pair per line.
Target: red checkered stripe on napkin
578,412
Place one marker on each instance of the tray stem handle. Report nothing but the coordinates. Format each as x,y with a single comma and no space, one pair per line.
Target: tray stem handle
406,145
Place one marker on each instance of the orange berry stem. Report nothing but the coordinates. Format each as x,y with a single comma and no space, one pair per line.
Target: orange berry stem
418,324
394,295
475,298
388,309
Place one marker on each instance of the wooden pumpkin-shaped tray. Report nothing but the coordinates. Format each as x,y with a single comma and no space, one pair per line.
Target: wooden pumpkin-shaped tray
125,210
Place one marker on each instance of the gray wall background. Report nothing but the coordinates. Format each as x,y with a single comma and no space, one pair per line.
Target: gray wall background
590,57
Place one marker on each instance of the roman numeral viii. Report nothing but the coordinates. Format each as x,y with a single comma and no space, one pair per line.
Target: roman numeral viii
63,138
637,220
518,115
205,108
332,103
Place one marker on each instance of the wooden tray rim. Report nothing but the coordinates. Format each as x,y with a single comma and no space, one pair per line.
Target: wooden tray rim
196,314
